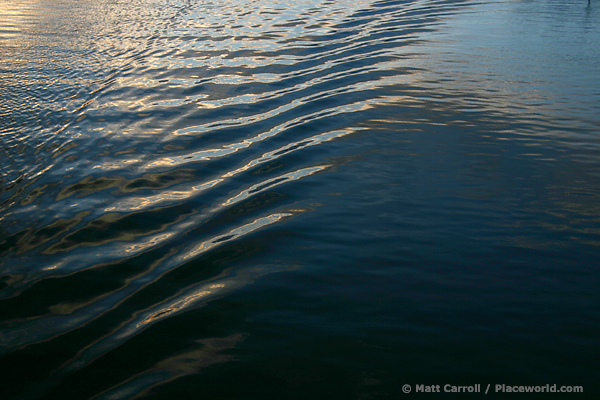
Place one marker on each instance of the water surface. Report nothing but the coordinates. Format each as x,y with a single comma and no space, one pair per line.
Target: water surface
318,199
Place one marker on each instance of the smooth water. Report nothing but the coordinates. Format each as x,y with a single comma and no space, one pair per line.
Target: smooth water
298,200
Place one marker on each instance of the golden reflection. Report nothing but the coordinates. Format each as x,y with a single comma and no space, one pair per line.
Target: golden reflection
218,285
88,185
203,292
35,193
111,166
67,308
168,196
11,18
186,363
139,203
269,156
182,303
231,235
113,227
274,182
206,155
190,362
146,244
34,238
253,99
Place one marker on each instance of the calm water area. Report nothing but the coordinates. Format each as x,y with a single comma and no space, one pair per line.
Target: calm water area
310,199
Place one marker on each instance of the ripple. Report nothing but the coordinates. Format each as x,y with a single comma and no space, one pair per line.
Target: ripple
162,159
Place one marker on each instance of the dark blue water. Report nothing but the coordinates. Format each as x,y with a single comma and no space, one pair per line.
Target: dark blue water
298,200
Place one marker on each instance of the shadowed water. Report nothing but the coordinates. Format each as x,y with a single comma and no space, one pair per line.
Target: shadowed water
298,200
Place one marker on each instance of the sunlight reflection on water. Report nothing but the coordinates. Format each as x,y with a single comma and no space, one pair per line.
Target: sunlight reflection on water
310,194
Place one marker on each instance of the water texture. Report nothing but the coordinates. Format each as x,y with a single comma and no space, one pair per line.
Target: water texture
298,200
